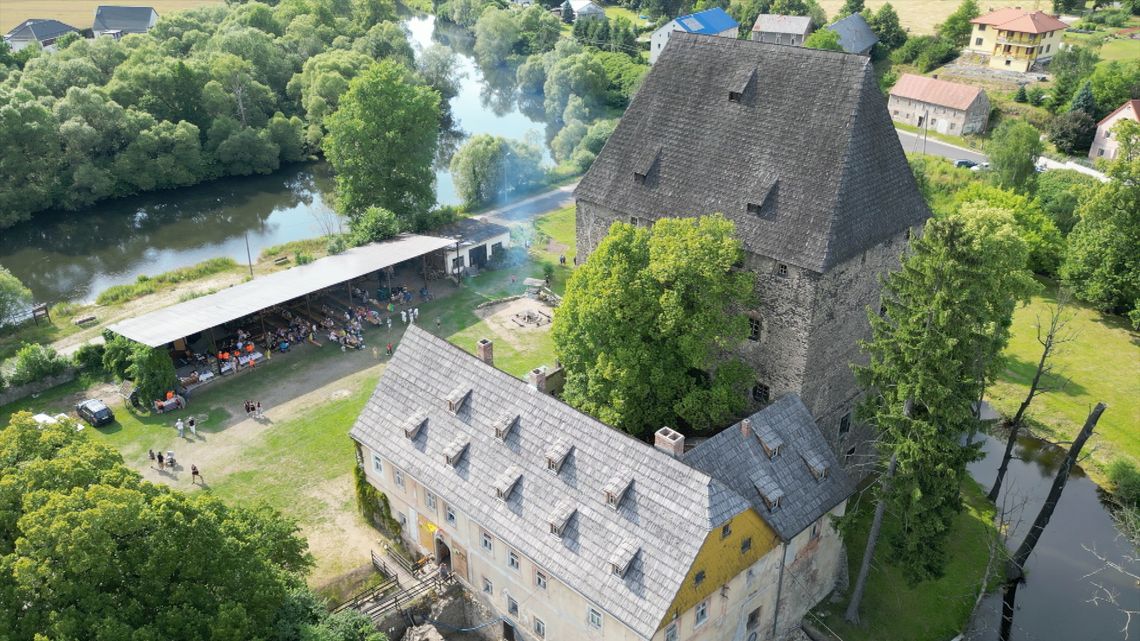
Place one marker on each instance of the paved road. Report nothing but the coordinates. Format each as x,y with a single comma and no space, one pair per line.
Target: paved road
533,206
913,142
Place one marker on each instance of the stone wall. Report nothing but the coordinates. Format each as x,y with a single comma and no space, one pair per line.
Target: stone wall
15,393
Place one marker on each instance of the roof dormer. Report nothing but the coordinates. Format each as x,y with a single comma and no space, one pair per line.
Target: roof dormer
457,398
414,424
455,450
556,455
623,556
770,440
506,482
560,516
816,464
616,489
768,488
504,425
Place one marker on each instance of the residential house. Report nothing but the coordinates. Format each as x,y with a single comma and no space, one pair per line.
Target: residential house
711,22
37,30
477,243
569,529
583,10
116,21
945,107
782,30
1105,145
796,147
1016,38
855,35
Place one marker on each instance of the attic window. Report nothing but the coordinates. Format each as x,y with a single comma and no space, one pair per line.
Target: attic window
735,96
770,440
754,209
504,426
457,398
644,164
456,449
556,455
816,464
561,516
615,491
414,425
623,557
639,178
505,484
740,84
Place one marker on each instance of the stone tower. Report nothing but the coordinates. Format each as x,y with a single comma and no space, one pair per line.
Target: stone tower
796,147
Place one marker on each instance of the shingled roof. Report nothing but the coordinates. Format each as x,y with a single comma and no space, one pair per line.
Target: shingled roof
806,138
661,519
804,474
39,29
125,19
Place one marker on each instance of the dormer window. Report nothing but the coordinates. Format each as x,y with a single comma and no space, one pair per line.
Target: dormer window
739,85
645,164
457,398
504,426
561,516
816,464
735,96
623,556
615,491
768,488
753,208
782,270
505,484
556,455
414,425
456,449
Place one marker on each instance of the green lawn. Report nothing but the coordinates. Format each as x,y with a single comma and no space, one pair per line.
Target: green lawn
622,12
1120,49
1102,364
930,611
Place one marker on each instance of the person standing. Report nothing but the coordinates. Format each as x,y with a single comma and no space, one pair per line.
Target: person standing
150,454
438,323
180,427
389,322
404,317
161,462
194,474
193,427
389,349
259,414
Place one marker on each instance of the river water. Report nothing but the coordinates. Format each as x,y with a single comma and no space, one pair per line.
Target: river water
75,255
1054,604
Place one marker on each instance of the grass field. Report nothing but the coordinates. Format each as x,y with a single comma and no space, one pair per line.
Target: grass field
921,16
614,12
932,610
1120,49
1102,363
77,13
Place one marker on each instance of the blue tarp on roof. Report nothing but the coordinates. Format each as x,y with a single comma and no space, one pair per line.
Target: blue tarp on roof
709,22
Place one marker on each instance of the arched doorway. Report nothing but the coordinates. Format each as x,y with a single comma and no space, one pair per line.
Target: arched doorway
443,557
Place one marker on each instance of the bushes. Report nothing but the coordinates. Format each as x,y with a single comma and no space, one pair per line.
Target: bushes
302,258
36,362
152,371
337,244
925,52
375,223
89,357
1125,479
373,504
144,284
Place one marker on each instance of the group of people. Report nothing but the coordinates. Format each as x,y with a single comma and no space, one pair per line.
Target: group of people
181,427
167,460
253,409
410,315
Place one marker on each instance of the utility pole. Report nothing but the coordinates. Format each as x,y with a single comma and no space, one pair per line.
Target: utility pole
248,258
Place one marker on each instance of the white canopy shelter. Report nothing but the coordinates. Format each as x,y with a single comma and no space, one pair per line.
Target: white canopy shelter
178,321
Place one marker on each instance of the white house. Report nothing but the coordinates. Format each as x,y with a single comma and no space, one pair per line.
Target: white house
711,22
1104,145
45,32
116,21
477,242
584,10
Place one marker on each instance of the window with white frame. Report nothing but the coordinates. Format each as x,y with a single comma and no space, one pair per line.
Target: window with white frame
398,476
671,632
430,500
594,617
377,464
540,579
539,628
488,587
449,513
513,560
702,613
488,542
512,607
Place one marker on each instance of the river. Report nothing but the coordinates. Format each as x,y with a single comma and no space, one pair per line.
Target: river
74,255
1055,602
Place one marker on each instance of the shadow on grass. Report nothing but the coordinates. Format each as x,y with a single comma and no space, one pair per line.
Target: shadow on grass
1020,372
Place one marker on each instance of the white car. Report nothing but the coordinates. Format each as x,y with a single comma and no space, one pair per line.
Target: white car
982,166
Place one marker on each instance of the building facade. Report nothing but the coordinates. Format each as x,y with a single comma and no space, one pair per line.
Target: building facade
945,107
1105,145
571,530
711,22
477,243
781,30
37,31
1016,38
796,147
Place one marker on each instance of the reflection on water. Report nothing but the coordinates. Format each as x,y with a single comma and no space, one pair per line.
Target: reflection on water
76,255
1053,603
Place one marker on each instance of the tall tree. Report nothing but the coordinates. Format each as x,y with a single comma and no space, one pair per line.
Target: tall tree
1084,101
382,140
14,296
957,27
1013,151
885,23
922,379
850,7
824,39
1051,336
488,167
648,325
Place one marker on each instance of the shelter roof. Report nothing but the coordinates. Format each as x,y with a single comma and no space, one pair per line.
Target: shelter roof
472,230
936,92
177,321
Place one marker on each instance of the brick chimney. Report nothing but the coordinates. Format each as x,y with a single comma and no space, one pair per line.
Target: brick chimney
746,428
537,379
485,350
669,441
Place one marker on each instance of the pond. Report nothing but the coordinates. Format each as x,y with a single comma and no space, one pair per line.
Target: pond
74,255
1057,600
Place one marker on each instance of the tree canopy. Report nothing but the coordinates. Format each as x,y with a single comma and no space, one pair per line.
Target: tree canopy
957,26
1013,150
648,325
382,142
824,39
15,298
487,168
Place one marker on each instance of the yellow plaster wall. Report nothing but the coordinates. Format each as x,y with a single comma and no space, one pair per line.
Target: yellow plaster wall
721,560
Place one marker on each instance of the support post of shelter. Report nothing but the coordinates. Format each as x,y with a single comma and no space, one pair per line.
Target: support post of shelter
214,352
424,259
265,334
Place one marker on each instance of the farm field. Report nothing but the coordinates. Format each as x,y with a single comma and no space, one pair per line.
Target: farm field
77,13
1120,49
921,16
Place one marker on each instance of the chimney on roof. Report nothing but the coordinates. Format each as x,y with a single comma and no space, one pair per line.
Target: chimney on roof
485,350
537,379
746,428
669,441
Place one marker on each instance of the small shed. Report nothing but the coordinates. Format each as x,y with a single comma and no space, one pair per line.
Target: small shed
477,243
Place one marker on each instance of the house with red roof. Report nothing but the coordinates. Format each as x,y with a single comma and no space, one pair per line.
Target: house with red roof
945,107
1105,145
1016,38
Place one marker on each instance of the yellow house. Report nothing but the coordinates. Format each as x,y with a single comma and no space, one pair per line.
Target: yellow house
1016,38
567,529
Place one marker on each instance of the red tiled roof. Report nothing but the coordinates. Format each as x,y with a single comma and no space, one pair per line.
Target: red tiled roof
1021,21
1135,112
935,92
